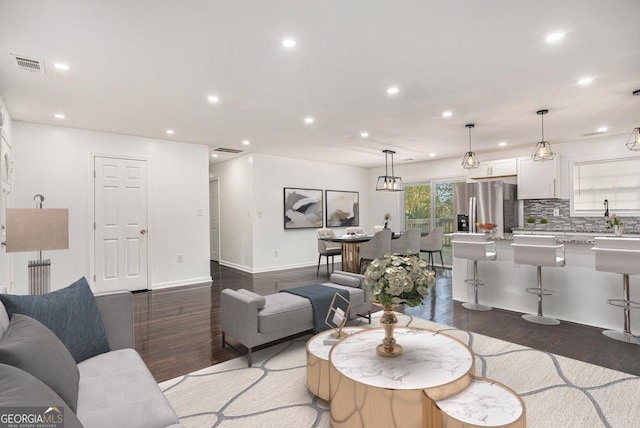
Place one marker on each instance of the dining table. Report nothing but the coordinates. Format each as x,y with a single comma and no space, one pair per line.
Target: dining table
351,249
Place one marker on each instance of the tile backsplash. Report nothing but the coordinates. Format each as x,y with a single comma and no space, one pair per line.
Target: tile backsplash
543,208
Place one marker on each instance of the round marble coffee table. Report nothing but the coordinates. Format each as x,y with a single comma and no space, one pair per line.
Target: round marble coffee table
368,390
484,403
318,362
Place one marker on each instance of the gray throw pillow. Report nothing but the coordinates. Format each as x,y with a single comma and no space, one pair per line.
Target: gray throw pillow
20,389
71,313
32,347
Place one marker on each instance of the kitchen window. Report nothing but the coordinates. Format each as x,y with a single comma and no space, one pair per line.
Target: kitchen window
616,180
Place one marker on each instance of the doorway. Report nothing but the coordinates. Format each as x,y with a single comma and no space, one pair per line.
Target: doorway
120,224
428,205
214,216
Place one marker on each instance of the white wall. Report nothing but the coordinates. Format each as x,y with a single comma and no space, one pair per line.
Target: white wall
260,209
56,162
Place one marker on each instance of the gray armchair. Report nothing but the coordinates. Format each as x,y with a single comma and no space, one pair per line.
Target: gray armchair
327,248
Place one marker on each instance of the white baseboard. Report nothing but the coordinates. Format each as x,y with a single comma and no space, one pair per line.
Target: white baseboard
181,283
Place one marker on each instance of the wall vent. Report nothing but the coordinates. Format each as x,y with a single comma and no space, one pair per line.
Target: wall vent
29,64
225,150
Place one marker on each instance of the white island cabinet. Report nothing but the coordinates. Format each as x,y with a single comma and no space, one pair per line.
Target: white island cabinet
581,292
538,180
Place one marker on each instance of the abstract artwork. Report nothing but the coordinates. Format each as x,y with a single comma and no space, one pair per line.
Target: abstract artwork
302,208
343,208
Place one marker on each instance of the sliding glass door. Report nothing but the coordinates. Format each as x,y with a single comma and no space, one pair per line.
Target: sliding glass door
428,205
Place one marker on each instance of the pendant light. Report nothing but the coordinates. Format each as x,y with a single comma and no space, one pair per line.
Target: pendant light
386,182
470,160
543,150
633,143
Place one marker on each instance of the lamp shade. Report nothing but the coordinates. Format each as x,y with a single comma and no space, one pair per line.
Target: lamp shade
390,183
386,182
633,143
37,229
543,151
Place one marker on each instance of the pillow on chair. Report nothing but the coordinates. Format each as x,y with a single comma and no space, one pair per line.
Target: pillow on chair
343,279
30,346
70,313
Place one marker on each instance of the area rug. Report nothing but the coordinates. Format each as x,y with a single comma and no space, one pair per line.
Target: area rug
557,391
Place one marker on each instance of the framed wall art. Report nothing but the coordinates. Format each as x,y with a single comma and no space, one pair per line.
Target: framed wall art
343,208
302,208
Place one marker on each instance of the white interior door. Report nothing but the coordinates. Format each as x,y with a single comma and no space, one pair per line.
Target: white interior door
6,165
120,223
214,216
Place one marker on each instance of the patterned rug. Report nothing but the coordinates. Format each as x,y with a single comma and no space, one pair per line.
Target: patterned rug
557,391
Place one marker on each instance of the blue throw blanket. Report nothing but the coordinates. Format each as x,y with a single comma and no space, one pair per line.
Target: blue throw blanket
320,297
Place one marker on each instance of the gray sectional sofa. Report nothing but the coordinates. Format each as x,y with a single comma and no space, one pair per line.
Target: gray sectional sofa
113,388
253,320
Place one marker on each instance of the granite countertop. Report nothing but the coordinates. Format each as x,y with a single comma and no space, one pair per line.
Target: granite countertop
567,236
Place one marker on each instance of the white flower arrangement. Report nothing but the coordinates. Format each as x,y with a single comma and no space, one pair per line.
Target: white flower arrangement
395,279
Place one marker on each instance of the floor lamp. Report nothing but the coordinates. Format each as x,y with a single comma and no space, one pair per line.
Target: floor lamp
38,229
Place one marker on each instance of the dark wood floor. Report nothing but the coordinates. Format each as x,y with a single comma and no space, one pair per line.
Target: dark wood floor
178,330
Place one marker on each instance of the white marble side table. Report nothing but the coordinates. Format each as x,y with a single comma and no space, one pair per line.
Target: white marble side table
318,362
484,403
368,391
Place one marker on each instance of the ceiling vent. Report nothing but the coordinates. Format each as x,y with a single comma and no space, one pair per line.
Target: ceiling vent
591,134
29,64
225,150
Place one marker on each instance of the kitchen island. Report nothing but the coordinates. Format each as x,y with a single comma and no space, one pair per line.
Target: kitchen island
581,292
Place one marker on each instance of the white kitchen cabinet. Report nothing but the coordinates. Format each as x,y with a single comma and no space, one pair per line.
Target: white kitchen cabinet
538,180
495,168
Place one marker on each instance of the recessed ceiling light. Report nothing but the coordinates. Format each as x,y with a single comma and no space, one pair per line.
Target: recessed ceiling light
246,142
554,37
364,134
170,131
308,120
603,129
59,116
432,154
289,43
214,155
393,90
502,143
447,113
61,66
213,99
585,81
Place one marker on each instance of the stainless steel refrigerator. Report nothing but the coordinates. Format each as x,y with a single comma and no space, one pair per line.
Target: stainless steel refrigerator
485,202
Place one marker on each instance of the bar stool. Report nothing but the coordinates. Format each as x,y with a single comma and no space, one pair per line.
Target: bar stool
538,250
474,246
620,255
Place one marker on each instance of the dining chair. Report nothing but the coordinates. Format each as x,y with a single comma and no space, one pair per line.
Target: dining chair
327,248
356,231
377,247
377,229
432,243
408,243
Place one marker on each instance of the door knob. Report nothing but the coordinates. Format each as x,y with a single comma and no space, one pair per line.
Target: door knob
143,231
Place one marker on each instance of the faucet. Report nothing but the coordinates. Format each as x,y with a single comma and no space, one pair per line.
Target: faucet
606,208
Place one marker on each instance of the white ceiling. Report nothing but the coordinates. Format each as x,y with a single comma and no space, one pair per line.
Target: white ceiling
141,67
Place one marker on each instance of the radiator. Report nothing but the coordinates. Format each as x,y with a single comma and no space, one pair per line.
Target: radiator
39,276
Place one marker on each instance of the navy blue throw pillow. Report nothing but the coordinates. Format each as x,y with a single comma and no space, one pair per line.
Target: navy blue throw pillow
70,313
